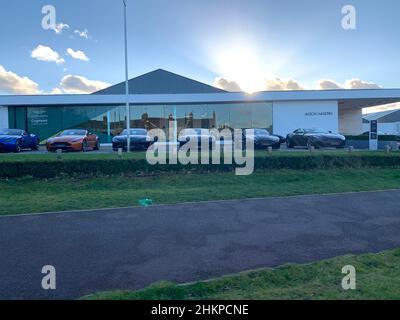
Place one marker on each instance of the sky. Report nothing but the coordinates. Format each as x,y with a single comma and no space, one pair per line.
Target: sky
248,45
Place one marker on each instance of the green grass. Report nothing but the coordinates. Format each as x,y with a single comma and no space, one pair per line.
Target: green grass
28,195
377,277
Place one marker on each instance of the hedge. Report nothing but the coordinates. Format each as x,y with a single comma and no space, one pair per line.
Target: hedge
137,167
365,137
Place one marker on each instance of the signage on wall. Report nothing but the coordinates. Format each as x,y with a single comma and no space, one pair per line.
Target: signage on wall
39,118
323,113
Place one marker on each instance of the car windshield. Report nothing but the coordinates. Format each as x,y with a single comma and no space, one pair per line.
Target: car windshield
261,132
135,132
316,130
10,132
73,133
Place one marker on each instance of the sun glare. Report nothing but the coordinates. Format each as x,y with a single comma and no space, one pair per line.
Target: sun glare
241,65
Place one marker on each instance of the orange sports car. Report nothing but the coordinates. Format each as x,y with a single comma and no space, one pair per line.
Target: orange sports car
74,140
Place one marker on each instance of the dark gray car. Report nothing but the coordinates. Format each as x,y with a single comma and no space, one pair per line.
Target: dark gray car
139,140
263,139
315,137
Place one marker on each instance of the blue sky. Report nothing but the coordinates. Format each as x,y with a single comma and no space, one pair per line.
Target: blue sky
247,42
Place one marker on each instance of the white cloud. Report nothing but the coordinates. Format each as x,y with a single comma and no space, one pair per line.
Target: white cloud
12,83
227,85
361,84
56,91
82,34
78,55
273,84
43,53
59,27
277,84
75,84
328,84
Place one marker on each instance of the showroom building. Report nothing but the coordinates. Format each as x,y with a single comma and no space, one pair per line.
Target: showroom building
160,96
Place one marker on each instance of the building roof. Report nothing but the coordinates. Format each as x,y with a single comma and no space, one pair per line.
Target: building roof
347,99
161,82
383,116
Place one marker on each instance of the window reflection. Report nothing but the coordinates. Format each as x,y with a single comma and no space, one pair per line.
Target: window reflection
108,121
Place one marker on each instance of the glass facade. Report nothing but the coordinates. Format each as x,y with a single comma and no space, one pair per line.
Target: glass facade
108,121
105,121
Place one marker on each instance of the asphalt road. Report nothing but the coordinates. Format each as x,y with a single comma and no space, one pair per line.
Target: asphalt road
131,248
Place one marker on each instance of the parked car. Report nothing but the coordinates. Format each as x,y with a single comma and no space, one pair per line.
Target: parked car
262,138
281,138
315,137
73,140
199,134
15,140
139,140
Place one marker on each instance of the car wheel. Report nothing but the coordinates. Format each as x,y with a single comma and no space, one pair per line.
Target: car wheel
18,147
289,144
310,144
276,146
84,146
35,146
97,147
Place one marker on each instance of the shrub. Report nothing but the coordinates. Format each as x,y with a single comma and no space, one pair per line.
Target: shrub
137,167
365,137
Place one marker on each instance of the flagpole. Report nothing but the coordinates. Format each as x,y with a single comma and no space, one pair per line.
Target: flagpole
128,124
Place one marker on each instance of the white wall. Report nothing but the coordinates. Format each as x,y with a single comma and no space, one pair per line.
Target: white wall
291,115
3,117
350,121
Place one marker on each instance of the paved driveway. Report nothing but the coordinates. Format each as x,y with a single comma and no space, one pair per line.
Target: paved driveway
131,248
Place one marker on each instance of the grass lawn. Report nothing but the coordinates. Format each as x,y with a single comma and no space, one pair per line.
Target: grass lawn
33,195
377,277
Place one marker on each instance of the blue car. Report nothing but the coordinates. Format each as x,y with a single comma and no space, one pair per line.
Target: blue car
15,140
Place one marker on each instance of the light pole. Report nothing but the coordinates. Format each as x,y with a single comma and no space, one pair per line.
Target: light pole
128,120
